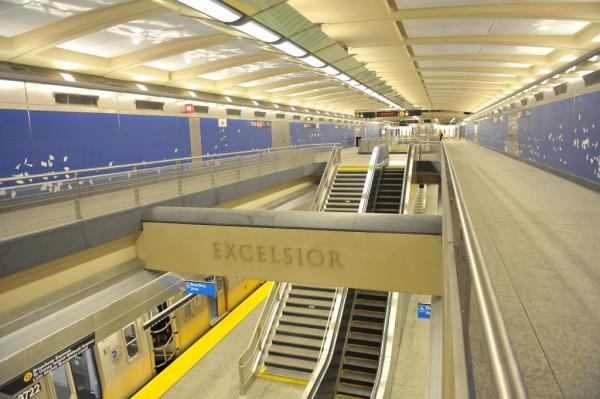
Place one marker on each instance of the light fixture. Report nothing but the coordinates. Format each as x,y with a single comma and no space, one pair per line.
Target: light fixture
313,61
214,9
343,77
141,87
191,93
229,100
593,59
353,82
293,109
254,102
568,58
68,77
329,70
290,48
276,106
258,31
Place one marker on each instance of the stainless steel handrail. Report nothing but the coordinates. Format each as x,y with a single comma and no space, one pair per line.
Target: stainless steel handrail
250,359
505,368
407,179
326,180
379,158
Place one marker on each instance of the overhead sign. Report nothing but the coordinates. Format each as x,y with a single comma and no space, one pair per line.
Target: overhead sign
44,368
310,125
424,311
388,114
188,109
365,115
205,288
260,124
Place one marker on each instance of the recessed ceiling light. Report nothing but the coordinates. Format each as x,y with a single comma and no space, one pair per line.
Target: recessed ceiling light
142,87
329,70
68,77
313,61
191,93
258,31
343,77
254,102
593,59
229,100
214,9
276,106
290,48
568,58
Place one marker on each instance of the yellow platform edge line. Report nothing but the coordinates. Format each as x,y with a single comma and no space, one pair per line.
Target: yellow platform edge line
288,380
353,168
173,373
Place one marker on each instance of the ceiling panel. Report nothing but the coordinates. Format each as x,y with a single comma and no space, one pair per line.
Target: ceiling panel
437,49
447,27
454,73
136,35
20,16
495,64
205,55
523,50
405,4
536,27
244,69
279,78
298,85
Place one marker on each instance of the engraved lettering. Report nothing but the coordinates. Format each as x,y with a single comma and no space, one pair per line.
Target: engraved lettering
334,259
230,254
315,257
217,250
261,253
246,253
274,258
299,256
287,256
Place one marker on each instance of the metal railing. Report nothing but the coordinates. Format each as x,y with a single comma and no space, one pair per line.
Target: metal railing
327,179
380,157
250,360
478,358
74,195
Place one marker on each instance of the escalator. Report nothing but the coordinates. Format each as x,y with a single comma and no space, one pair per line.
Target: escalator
352,369
346,190
360,360
387,194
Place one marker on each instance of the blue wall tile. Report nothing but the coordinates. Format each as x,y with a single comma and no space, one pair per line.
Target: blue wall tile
237,136
324,133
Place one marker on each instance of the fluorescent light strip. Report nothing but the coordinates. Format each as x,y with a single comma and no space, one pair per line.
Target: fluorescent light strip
67,76
343,77
258,31
313,61
290,48
214,9
329,70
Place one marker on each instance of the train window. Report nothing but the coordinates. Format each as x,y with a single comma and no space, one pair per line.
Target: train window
131,341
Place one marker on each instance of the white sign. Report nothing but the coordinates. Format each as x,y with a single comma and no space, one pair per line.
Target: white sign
222,122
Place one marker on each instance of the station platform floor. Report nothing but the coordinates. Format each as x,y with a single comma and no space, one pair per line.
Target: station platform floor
539,234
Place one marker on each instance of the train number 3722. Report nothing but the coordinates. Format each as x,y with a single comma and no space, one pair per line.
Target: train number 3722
30,392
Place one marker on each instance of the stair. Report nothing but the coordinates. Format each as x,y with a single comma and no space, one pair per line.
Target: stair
295,346
363,344
389,191
346,191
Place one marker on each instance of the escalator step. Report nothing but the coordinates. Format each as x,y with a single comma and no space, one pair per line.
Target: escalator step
364,339
366,379
365,315
353,391
366,327
366,352
362,365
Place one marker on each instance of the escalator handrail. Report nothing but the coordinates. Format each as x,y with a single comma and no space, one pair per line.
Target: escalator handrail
407,179
506,371
379,158
326,180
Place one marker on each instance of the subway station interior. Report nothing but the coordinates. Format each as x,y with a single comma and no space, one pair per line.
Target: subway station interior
312,199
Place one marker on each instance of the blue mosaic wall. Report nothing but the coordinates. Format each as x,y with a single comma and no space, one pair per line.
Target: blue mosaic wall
470,130
370,131
237,136
324,133
33,142
564,135
493,132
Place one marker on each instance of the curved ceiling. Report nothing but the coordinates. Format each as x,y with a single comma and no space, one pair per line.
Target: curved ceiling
459,54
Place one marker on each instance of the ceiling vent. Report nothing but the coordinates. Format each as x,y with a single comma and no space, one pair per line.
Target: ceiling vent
76,99
539,96
280,116
524,101
592,78
201,109
233,111
297,117
260,114
149,105
560,89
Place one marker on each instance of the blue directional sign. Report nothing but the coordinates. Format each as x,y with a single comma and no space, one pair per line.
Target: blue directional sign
200,288
424,311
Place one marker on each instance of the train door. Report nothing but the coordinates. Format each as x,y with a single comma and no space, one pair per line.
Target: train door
217,305
78,378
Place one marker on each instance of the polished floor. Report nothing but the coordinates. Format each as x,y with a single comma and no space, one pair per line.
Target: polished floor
540,235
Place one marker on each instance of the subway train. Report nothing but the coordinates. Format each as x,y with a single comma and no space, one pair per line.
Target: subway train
134,328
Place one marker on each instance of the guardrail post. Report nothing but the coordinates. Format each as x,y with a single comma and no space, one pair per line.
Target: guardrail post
78,214
136,185
179,177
